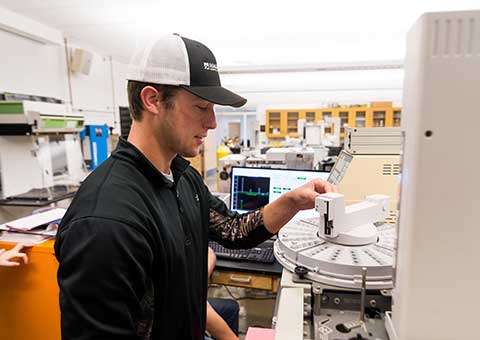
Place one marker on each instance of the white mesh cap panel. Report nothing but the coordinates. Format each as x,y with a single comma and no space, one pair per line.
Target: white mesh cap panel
163,61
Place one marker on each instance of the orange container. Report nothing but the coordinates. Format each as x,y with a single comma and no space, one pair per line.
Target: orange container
29,306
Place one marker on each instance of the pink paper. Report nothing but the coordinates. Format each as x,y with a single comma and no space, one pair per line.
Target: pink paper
254,333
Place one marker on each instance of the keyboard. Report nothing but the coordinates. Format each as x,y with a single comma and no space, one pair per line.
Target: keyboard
263,253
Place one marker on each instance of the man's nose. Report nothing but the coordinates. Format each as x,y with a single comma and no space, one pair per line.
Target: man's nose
211,120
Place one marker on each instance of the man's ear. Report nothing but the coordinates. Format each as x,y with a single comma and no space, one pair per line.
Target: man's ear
150,99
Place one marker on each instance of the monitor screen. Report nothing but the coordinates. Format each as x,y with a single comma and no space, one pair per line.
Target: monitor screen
252,188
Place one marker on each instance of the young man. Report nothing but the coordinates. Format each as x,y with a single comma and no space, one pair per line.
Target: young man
132,246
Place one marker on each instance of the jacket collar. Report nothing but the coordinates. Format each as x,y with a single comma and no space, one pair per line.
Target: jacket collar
130,153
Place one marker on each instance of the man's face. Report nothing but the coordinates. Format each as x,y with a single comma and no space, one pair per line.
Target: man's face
185,125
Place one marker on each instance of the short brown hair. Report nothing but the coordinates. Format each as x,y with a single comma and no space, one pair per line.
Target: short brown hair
135,104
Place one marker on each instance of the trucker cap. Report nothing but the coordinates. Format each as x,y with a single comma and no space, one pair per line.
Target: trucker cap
175,60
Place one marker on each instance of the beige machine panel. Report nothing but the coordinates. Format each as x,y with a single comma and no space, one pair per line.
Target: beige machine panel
369,175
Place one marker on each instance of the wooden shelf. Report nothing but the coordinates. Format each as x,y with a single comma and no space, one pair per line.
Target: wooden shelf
379,114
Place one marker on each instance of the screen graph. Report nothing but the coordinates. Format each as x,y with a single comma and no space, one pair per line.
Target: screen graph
250,193
252,188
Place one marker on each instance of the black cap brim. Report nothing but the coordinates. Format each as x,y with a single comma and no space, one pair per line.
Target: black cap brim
217,95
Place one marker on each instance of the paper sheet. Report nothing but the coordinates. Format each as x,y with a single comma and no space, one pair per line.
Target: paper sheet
255,333
33,221
6,236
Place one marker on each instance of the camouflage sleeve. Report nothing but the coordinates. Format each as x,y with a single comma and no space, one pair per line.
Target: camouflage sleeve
235,230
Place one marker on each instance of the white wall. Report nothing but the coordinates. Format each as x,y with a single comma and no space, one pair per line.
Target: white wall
31,67
28,66
224,118
99,94
120,86
120,76
315,89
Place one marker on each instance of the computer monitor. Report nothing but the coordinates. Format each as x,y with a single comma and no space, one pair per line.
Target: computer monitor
252,188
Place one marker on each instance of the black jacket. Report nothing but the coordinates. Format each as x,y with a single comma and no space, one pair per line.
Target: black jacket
132,250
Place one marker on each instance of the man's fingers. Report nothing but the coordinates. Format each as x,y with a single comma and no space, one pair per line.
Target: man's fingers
331,187
23,256
17,254
322,186
10,264
18,247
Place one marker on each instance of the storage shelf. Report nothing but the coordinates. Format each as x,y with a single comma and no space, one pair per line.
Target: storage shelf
379,114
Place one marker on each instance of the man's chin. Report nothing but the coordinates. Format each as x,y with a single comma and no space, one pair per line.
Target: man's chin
190,153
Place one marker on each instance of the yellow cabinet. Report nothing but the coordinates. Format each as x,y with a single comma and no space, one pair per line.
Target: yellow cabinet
383,114
379,117
274,127
310,116
282,123
292,123
343,114
359,116
326,113
396,120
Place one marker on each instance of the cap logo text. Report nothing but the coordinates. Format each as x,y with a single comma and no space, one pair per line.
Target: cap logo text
210,67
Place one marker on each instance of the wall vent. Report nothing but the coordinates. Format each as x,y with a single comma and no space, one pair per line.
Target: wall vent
392,217
390,169
455,37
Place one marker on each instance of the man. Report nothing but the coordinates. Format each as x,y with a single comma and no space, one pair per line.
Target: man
132,247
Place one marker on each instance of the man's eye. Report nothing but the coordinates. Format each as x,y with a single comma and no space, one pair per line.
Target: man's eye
202,107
